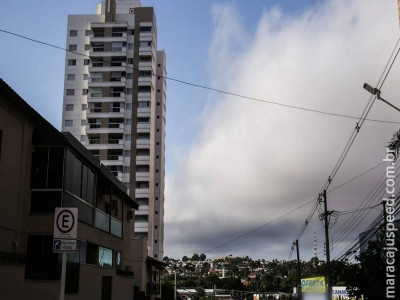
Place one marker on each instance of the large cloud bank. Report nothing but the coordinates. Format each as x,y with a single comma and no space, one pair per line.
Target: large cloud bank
253,161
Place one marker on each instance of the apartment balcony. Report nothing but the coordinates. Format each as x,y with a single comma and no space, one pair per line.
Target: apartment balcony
118,52
145,65
142,159
144,95
121,82
143,81
143,111
142,142
117,67
142,193
90,113
142,176
96,25
141,226
112,160
114,97
143,208
117,37
145,51
112,128
145,35
143,127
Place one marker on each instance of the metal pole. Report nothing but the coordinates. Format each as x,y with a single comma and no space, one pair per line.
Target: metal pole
63,272
175,288
328,255
298,270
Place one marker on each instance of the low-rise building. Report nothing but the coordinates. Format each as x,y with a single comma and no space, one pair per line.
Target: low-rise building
41,169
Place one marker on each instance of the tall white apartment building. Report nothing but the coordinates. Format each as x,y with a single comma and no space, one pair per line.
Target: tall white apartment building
114,103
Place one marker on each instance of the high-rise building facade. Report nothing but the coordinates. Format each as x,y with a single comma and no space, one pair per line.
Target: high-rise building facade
115,103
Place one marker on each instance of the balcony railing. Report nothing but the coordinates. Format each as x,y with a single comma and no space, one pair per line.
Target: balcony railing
94,141
152,288
115,141
12,258
115,125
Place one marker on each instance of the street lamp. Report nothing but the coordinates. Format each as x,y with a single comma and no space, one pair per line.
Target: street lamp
377,92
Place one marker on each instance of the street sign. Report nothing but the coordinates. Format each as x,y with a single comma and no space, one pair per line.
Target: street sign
60,245
65,223
65,229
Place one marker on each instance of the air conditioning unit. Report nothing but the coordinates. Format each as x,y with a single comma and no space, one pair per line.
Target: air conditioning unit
130,214
115,204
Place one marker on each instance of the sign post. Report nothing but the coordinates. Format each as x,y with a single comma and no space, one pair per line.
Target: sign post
64,239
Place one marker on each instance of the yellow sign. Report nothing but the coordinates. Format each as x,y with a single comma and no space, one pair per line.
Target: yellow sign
313,285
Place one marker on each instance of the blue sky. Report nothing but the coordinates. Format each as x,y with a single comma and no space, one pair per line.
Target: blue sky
234,164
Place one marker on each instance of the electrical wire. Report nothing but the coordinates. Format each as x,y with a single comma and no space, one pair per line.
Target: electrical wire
204,86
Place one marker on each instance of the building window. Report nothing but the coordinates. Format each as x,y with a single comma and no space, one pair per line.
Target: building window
86,62
84,106
145,44
96,77
128,122
69,107
130,46
131,32
142,184
128,106
145,29
116,46
83,122
83,137
42,262
70,92
87,47
88,32
68,123
73,47
85,92
73,33
85,76
96,92
144,104
127,137
105,257
129,61
129,75
156,227
71,62
156,212
129,91
71,77
126,170
155,241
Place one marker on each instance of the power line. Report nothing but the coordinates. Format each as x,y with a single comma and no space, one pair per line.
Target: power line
356,130
206,87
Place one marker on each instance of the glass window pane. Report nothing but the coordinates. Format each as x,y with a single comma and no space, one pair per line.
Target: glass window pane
105,257
56,167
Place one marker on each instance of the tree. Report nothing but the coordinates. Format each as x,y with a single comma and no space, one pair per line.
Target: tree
185,258
203,257
371,276
395,144
195,257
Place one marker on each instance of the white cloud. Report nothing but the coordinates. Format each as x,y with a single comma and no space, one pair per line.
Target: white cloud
253,161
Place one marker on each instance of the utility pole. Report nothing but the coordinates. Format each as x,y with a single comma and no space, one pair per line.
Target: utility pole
175,288
298,271
328,255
